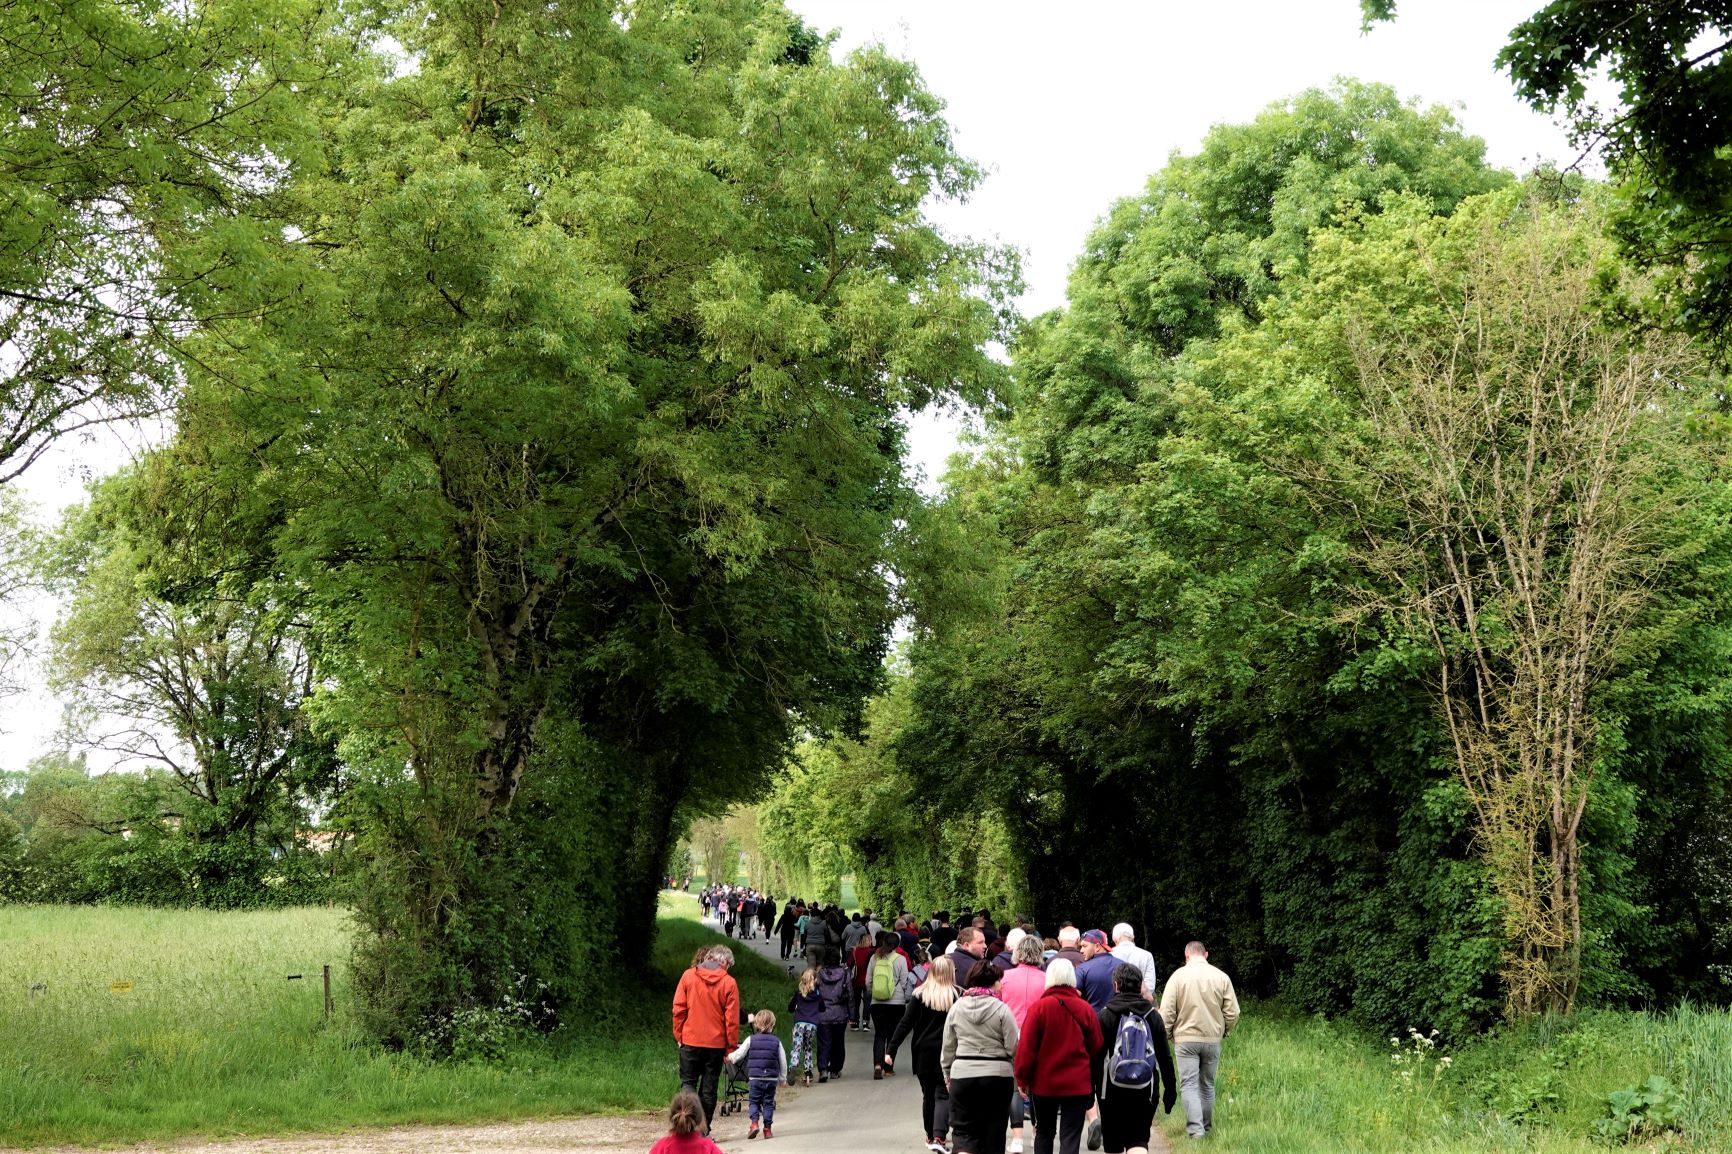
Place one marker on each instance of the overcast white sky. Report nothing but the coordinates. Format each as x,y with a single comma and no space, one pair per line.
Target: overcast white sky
1070,107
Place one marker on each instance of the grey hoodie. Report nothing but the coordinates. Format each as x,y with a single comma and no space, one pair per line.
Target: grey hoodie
979,1039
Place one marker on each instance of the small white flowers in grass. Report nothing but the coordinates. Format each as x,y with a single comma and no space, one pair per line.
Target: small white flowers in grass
1418,1064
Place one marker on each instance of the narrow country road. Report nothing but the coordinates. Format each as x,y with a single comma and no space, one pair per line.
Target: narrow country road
852,1114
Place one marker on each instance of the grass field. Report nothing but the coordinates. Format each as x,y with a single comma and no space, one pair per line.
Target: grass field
1292,1085
212,1039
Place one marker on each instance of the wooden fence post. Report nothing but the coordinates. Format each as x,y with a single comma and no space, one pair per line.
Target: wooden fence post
327,993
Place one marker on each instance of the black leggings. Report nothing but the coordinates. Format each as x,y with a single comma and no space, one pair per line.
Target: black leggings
884,1019
934,1103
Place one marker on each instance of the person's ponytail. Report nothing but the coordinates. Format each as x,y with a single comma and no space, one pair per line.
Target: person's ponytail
685,1114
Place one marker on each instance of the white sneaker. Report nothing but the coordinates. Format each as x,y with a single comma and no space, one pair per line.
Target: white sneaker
1016,1146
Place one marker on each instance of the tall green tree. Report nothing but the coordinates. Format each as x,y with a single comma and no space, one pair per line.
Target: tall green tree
140,139
1665,137
208,691
576,433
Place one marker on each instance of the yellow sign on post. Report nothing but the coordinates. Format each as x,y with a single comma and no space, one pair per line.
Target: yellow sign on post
120,987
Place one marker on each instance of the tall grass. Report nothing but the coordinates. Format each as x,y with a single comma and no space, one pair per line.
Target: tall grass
1292,1085
214,1040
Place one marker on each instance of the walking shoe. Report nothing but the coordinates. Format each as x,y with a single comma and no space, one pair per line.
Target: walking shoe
806,1080
1095,1134
822,1078
936,1145
1016,1146
767,1134
878,1074
752,1133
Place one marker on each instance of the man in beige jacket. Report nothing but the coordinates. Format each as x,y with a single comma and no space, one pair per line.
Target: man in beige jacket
1200,1009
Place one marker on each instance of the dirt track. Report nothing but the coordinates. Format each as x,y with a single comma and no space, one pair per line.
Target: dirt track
572,1136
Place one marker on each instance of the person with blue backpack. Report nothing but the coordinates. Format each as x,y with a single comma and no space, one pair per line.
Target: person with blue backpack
1136,1066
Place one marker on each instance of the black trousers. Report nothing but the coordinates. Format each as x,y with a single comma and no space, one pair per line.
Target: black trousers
1127,1117
884,1019
1060,1118
832,1046
787,943
934,1103
979,1113
700,1069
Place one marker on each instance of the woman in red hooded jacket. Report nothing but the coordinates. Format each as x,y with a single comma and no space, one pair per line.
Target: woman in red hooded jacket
1055,1060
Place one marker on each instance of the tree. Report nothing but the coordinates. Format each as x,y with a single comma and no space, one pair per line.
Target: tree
577,436
1667,138
1515,496
138,137
716,850
210,692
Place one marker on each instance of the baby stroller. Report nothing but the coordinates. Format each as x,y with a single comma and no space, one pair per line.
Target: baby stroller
736,1088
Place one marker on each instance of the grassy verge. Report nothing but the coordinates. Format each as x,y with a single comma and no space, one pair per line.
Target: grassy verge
213,1039
1291,1085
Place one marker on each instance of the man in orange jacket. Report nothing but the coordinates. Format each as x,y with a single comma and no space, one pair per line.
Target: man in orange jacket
706,1024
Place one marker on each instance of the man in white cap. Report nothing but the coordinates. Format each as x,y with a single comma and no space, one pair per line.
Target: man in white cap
1126,950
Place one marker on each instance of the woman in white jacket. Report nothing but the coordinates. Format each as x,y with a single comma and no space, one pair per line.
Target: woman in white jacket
979,1044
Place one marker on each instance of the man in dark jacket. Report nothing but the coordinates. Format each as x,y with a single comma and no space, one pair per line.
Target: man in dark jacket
789,922
1127,1113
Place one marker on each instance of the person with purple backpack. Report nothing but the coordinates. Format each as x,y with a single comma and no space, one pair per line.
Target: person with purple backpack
1136,1066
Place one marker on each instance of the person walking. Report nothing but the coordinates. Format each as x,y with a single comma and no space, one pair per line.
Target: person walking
832,1018
1055,1060
857,960
767,914
922,1026
807,1006
706,1015
1021,987
980,1045
788,926
1094,978
730,913
1136,1067
1126,950
884,973
748,913
766,1069
1200,1010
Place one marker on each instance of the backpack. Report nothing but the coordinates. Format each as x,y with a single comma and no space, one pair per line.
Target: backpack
1132,1064
884,979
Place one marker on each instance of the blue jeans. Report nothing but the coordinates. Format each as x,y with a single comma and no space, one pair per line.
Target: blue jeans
1197,1062
761,1100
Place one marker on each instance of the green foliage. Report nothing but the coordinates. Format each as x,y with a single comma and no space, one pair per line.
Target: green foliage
1142,609
1641,1113
121,838
848,807
567,408
1664,138
141,139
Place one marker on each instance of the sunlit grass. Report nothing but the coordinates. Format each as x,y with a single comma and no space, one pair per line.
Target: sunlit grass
1292,1085
214,1040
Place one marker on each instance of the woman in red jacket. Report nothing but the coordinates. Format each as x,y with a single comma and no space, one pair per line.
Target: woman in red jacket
1055,1060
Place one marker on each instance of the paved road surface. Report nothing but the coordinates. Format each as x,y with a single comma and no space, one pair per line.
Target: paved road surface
841,1117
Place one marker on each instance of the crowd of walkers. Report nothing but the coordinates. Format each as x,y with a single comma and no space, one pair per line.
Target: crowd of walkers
1002,1031
740,909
